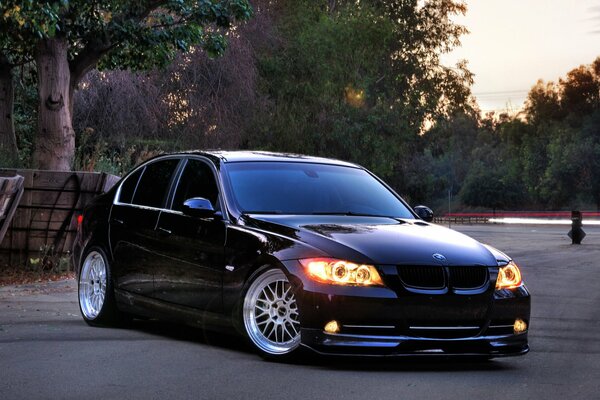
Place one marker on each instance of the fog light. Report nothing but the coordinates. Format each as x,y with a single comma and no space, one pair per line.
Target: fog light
332,327
520,326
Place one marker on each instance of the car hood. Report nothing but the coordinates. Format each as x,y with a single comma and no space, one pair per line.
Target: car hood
378,240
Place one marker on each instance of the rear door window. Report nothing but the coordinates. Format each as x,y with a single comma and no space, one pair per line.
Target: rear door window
153,187
128,187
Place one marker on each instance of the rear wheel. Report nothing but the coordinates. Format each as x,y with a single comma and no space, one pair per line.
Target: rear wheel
95,290
270,315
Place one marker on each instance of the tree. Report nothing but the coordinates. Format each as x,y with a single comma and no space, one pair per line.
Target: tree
580,90
8,142
543,103
495,188
349,79
66,39
11,56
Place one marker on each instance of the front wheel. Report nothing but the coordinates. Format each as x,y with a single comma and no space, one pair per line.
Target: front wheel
270,315
96,297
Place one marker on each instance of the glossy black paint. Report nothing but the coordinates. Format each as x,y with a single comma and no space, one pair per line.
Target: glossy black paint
191,256
194,267
198,207
425,213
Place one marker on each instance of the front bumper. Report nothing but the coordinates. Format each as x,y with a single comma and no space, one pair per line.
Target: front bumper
390,321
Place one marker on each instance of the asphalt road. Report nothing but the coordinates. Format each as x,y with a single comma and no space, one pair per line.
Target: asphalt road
47,351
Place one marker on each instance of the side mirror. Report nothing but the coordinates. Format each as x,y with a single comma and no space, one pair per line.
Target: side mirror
425,213
198,207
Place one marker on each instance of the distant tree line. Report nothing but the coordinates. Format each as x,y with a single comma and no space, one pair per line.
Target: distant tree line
546,157
357,81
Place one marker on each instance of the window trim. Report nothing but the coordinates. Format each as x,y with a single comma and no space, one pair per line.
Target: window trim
237,213
129,176
218,181
183,159
117,199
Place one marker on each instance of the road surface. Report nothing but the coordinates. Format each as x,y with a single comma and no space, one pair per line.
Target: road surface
48,352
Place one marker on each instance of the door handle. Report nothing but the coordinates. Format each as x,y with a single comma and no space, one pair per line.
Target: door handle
163,231
118,221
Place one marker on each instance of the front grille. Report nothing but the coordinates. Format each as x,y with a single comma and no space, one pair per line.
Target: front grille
423,277
468,277
432,277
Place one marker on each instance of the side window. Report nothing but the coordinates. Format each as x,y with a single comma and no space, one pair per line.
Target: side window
128,187
154,184
197,180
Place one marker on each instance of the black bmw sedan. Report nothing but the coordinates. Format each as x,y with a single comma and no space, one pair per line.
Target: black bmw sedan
294,251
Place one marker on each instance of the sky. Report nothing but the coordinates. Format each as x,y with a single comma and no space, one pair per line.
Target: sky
513,43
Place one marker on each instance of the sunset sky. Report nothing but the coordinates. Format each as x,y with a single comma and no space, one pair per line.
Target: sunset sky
513,43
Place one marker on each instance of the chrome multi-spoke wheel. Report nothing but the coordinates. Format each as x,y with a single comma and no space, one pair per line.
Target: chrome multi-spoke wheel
92,285
270,314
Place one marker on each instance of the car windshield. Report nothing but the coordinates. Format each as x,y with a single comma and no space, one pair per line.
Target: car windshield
306,188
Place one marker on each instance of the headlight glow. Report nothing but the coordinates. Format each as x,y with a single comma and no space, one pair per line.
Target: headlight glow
509,277
340,272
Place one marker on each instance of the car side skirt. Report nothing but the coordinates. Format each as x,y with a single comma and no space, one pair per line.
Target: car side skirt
138,305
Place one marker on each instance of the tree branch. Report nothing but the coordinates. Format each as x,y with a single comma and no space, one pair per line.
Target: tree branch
94,50
87,59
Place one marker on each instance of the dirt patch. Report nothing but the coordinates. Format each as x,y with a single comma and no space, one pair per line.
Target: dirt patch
47,289
20,276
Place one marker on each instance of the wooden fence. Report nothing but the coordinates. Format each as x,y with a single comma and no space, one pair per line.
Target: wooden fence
11,190
45,221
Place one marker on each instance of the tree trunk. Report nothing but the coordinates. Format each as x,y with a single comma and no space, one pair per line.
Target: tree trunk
55,143
8,142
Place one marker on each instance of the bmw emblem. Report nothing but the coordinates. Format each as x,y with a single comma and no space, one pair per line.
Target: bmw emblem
439,257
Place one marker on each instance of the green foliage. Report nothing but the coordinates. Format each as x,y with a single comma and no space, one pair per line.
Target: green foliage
25,114
545,158
543,103
139,34
483,189
560,143
93,153
129,34
494,188
358,81
580,90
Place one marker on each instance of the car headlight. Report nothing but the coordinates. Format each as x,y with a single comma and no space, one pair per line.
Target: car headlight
340,272
509,277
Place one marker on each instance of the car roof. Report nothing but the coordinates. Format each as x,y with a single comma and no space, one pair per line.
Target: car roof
265,156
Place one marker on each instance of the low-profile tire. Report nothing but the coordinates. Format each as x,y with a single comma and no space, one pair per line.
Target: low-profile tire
95,290
270,315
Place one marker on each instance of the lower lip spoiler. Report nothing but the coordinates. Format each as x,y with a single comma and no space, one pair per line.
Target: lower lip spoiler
423,353
404,346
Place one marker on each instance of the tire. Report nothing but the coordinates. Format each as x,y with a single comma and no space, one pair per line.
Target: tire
95,290
270,315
